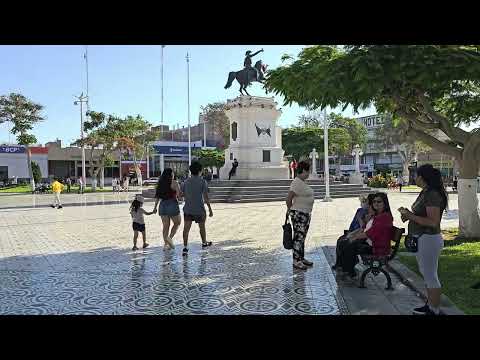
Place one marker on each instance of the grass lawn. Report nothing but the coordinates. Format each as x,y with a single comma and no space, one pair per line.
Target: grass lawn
411,188
17,189
459,270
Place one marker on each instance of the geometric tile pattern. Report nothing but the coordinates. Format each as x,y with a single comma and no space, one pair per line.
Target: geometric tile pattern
227,278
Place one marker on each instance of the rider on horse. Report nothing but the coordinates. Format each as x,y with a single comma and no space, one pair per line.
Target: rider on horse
248,66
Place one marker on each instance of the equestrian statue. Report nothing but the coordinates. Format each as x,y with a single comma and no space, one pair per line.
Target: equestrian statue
248,74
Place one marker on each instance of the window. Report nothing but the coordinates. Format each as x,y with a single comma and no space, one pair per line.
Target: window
234,131
266,155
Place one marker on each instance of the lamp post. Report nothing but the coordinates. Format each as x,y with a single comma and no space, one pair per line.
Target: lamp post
188,114
357,152
161,126
82,99
325,150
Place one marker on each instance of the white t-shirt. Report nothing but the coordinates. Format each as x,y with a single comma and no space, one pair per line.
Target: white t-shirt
303,199
137,216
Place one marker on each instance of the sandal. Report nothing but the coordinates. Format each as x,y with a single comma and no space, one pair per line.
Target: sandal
146,245
184,252
209,243
134,248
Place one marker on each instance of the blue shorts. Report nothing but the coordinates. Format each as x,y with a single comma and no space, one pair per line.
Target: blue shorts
169,207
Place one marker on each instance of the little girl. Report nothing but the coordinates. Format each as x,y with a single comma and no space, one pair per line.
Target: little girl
137,213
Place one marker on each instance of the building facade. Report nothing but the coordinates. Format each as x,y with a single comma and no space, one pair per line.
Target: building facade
14,165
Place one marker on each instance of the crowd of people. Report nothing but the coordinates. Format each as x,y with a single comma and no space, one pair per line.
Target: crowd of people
371,229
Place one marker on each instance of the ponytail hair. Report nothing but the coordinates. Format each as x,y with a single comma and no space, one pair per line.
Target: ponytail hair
434,181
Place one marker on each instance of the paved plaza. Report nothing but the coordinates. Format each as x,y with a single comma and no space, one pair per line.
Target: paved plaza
77,260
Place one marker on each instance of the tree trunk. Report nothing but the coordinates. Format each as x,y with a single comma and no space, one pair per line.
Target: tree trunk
29,164
102,177
468,212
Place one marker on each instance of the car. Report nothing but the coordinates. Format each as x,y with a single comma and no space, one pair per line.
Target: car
150,181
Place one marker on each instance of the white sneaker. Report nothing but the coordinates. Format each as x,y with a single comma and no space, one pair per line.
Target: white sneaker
170,242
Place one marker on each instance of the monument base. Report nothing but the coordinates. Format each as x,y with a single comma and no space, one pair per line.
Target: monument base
256,173
356,178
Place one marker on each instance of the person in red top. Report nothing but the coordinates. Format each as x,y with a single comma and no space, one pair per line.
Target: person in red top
375,239
293,167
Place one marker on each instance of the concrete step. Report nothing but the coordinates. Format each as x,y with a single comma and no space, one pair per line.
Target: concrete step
271,199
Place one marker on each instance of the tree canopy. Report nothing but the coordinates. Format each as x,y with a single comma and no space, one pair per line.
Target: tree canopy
425,87
216,117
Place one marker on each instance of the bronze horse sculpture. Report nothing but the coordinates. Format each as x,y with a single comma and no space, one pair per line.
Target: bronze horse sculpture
246,77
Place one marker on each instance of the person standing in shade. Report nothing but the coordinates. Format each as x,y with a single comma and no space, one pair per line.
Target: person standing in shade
233,171
424,225
293,166
69,184
300,201
57,188
195,192
81,185
400,182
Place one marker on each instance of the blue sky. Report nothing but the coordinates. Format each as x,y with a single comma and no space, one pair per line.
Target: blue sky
126,80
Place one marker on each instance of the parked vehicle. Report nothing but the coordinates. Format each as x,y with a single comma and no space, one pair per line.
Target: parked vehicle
150,181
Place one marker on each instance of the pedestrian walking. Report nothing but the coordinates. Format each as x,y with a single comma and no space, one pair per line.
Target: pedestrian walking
195,191
293,168
81,185
400,182
424,230
138,222
300,201
168,193
69,184
57,188
126,183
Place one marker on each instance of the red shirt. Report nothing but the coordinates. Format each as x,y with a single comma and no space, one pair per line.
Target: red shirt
381,234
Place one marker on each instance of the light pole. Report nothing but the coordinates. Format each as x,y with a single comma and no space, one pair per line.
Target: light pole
161,127
188,114
82,99
325,150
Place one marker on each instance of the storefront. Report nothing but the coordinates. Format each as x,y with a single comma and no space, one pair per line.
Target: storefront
14,165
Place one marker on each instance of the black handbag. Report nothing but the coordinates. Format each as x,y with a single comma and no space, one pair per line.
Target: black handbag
411,243
287,234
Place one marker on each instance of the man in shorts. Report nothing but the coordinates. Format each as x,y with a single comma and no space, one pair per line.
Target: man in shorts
195,192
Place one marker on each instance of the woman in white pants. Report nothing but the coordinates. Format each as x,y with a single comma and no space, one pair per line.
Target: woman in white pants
424,224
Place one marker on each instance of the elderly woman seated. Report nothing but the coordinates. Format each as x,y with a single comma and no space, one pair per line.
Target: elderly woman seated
363,214
374,239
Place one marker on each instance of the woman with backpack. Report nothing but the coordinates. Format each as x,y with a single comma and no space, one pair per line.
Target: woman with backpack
167,193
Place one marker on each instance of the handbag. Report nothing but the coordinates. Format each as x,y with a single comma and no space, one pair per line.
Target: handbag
287,234
411,243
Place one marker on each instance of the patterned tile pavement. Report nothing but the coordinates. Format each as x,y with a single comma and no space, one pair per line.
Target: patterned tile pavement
77,260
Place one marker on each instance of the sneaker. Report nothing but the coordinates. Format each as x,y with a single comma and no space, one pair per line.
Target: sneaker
52,206
307,262
134,248
185,252
299,265
170,242
421,310
146,245
204,245
60,207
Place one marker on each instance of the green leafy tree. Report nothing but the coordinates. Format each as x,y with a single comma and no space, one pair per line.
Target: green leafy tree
215,115
393,135
136,134
210,158
37,173
23,114
300,141
425,87
102,134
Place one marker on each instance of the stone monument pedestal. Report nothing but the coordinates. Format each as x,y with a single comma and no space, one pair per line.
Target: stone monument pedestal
355,178
255,140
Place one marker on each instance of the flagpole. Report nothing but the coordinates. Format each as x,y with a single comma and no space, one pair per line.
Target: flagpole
188,116
161,127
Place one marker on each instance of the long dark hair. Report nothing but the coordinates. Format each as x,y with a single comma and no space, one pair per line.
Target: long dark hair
434,181
135,205
386,204
164,185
